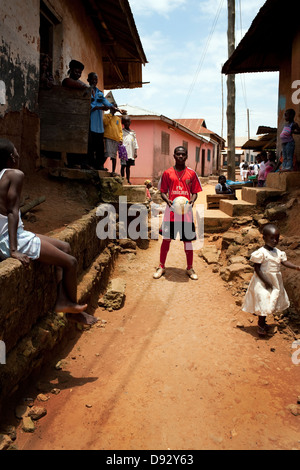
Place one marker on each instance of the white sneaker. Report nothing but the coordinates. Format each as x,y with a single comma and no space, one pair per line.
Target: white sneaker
192,275
159,272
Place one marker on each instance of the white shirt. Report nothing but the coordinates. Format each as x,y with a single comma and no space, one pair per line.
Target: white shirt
130,142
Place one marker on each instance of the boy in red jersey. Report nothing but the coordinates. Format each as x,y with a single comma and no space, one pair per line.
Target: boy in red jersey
179,180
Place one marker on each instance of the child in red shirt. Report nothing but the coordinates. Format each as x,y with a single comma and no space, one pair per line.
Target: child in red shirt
178,180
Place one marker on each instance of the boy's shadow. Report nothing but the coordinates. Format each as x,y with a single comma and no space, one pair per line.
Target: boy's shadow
176,275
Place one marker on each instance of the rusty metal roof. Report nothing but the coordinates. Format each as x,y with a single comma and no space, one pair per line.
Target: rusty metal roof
268,41
266,130
263,143
123,54
196,125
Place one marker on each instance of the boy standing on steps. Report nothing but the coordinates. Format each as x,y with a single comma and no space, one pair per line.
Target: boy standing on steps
113,136
131,145
179,180
287,139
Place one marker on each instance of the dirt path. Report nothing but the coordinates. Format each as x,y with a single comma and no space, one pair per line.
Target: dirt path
171,370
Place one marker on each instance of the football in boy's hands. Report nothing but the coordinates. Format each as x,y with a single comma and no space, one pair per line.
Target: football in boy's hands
180,205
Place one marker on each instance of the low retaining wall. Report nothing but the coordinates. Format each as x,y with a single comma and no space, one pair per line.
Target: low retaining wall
28,327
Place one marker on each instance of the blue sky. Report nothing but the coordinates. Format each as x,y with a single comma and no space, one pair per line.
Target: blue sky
185,42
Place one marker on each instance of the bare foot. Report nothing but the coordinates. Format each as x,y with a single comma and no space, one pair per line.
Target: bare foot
70,308
83,318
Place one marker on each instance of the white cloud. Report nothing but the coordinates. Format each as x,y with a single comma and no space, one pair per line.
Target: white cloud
249,8
162,7
185,75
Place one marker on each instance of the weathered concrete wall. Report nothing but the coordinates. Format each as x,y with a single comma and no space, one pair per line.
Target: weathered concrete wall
19,47
19,76
80,40
74,37
28,326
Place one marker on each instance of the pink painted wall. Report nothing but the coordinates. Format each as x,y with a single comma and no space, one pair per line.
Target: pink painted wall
151,163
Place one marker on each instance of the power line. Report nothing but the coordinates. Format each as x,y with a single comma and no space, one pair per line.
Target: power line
202,58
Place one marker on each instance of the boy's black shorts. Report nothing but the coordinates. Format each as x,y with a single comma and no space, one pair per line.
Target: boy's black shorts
185,230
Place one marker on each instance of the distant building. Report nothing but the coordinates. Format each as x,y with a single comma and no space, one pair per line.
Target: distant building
157,136
241,154
199,127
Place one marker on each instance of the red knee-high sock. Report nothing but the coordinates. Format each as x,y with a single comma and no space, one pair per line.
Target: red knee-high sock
188,248
164,249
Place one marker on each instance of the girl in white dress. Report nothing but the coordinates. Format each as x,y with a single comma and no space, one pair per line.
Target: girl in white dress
266,294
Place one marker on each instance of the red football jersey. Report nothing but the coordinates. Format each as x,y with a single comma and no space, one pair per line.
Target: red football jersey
179,183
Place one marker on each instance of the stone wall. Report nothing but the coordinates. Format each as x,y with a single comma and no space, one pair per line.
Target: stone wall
28,326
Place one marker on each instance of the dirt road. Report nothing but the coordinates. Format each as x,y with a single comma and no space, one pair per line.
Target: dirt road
171,370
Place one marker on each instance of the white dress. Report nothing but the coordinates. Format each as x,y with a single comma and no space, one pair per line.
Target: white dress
264,301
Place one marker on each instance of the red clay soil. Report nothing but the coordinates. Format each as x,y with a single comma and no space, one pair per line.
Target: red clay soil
64,202
170,370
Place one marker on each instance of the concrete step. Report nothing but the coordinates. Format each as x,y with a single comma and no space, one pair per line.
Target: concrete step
261,196
77,173
135,193
236,208
216,221
284,181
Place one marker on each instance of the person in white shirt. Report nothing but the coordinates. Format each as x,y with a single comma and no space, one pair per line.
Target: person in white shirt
131,145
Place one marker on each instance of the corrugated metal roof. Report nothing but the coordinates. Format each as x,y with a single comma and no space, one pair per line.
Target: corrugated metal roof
265,142
266,130
123,54
268,40
196,125
199,127
136,111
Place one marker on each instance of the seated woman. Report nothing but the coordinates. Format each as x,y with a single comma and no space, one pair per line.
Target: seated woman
74,72
222,187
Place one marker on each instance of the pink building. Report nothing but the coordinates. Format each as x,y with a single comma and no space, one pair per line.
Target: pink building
157,137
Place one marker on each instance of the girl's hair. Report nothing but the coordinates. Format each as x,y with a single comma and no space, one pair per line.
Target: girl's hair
75,64
269,228
291,111
6,149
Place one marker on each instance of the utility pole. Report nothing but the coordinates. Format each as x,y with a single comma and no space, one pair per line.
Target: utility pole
248,122
231,95
222,129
